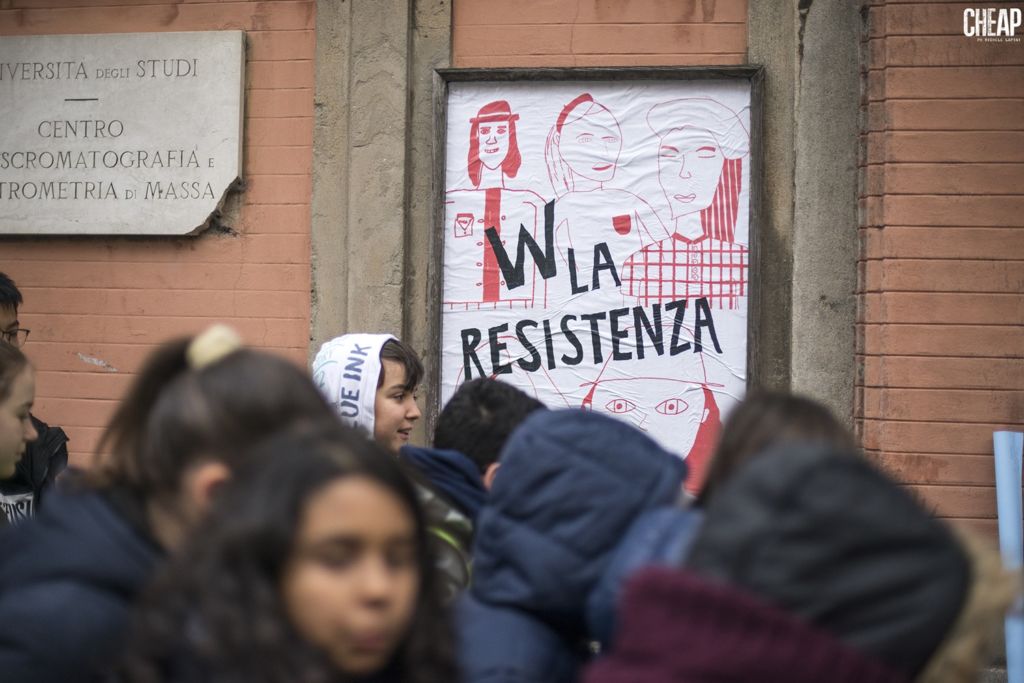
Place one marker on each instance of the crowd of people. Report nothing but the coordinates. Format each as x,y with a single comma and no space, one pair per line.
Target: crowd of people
248,521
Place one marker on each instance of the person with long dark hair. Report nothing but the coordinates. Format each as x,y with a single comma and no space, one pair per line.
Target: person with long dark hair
70,575
313,566
45,456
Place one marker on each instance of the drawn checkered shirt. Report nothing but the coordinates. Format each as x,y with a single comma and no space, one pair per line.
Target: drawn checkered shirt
678,268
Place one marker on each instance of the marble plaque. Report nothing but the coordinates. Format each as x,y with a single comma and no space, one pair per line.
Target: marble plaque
119,134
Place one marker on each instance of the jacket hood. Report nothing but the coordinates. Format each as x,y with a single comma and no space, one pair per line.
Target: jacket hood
677,626
453,474
347,369
78,538
828,538
570,485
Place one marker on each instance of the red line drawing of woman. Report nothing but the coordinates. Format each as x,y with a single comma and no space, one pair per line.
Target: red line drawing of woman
677,409
582,155
700,164
593,141
473,278
701,145
498,156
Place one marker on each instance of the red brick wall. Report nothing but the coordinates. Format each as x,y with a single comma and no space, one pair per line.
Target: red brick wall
114,299
496,33
941,320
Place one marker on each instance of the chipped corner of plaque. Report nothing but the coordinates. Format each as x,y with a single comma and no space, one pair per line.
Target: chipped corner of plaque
225,214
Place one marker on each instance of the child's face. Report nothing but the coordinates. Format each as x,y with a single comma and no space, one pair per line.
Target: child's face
16,427
394,409
351,584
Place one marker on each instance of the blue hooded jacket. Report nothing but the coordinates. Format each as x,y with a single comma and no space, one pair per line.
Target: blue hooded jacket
571,487
68,581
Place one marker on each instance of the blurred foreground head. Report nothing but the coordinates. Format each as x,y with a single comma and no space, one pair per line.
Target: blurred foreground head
822,534
571,484
190,418
573,488
313,563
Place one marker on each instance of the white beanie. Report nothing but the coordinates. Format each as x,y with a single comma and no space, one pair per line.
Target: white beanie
347,370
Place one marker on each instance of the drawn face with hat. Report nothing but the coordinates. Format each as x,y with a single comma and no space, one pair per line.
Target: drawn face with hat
492,137
492,141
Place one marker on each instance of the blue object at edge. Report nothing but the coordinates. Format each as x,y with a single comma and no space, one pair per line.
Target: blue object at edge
1009,454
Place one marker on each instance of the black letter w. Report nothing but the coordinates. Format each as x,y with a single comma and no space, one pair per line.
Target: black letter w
545,260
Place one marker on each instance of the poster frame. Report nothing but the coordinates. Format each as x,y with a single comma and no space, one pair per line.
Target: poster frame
442,78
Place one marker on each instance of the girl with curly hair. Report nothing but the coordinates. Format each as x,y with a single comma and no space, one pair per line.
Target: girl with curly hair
312,567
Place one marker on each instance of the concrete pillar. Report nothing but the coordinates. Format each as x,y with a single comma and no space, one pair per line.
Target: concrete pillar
807,308
373,169
825,238
431,49
372,164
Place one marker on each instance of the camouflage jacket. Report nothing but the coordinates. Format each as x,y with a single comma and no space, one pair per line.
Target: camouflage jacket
451,538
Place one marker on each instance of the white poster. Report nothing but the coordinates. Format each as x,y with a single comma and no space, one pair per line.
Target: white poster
596,249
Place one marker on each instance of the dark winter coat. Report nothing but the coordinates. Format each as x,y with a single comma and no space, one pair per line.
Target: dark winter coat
21,495
572,484
68,579
829,539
